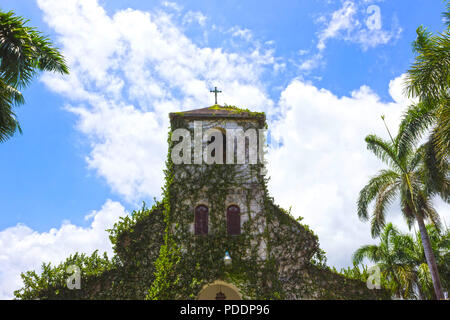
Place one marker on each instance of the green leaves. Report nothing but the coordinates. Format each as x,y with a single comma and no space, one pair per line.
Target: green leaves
51,283
370,252
385,151
414,174
9,97
402,261
385,197
429,75
446,15
416,120
23,52
428,79
384,179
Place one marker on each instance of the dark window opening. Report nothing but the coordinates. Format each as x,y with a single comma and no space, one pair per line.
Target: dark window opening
233,220
201,220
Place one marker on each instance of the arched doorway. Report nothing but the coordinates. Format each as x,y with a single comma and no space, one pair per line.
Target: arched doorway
219,290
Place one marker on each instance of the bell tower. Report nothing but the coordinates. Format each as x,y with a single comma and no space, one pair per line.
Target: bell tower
220,170
218,187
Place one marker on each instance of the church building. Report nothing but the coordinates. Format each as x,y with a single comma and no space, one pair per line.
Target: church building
216,234
233,239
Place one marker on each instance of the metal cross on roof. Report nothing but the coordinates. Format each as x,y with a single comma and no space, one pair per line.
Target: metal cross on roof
215,93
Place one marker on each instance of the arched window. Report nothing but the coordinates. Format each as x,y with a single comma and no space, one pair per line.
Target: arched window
233,220
201,219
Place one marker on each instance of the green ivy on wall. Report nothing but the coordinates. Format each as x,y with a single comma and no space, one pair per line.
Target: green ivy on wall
157,256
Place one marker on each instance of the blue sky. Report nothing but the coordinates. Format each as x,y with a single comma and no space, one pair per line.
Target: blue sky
94,143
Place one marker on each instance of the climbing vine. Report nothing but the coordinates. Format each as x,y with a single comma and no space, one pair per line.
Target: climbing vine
158,256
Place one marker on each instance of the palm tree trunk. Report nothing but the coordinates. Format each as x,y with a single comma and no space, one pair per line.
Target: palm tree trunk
429,255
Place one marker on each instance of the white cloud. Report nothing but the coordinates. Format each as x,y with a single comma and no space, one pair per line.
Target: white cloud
366,30
311,63
245,34
194,16
322,162
128,147
23,249
397,91
128,71
172,5
341,20
355,22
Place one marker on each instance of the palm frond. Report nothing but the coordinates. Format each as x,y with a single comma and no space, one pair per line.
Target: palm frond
446,14
24,50
416,120
9,97
385,197
429,75
371,252
435,171
407,207
442,131
385,151
370,191
429,212
424,280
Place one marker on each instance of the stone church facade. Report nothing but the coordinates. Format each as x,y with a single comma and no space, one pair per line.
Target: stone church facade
216,234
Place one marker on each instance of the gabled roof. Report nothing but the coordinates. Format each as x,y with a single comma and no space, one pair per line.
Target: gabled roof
217,111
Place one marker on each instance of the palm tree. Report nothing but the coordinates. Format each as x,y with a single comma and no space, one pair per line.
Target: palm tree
391,261
428,80
407,178
402,261
414,255
23,52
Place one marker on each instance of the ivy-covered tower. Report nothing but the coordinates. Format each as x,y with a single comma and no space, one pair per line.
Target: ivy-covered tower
219,208
216,233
